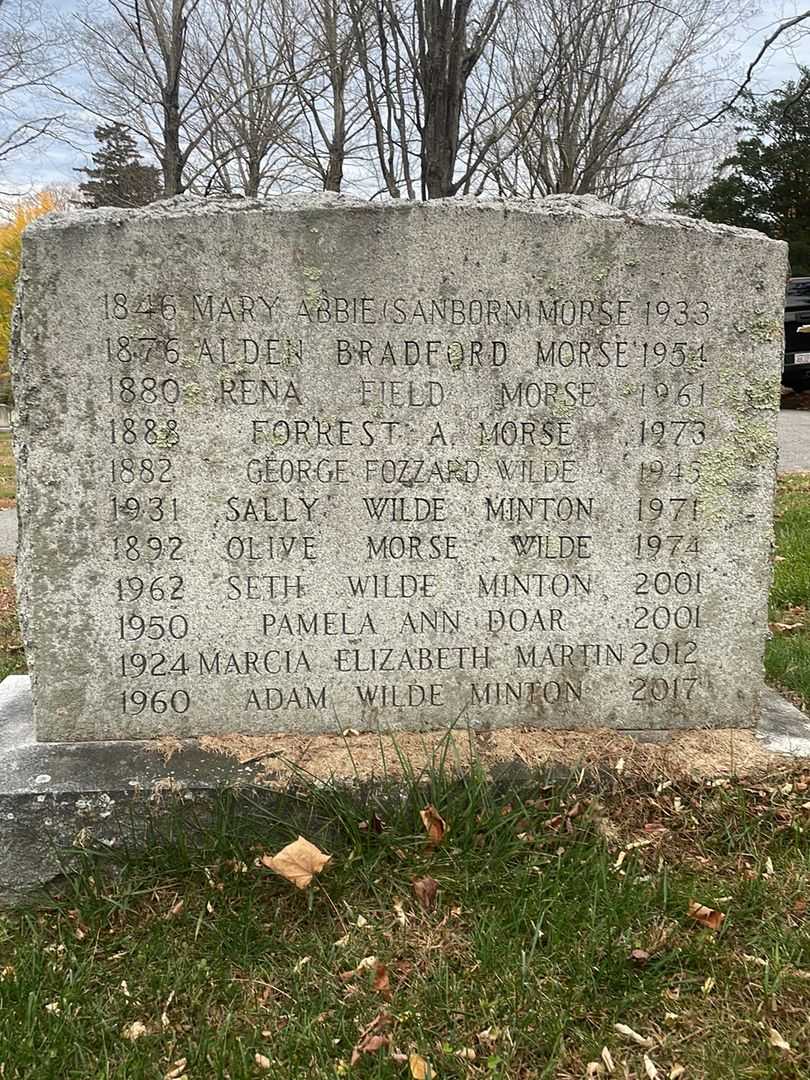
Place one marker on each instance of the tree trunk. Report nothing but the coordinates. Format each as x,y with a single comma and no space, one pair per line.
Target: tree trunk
440,146
337,147
445,63
254,176
172,156
173,162
333,180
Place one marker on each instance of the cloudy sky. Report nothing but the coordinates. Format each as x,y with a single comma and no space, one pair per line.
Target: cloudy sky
55,162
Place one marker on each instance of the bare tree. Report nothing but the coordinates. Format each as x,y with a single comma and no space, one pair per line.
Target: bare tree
417,58
243,53
324,72
781,30
30,56
137,63
414,98
610,90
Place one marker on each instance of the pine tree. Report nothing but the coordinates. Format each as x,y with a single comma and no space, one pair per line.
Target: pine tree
119,177
765,183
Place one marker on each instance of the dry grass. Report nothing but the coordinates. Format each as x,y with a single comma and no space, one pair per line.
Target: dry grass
8,481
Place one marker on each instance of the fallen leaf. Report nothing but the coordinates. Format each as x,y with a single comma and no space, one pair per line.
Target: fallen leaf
420,1069
425,889
639,956
706,916
628,1033
676,1072
650,1068
176,1070
263,1062
466,1054
369,1042
489,1036
593,1070
370,1045
298,862
435,825
775,1039
382,983
607,1057
134,1030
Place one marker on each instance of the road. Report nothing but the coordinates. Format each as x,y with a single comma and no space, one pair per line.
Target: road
8,532
794,440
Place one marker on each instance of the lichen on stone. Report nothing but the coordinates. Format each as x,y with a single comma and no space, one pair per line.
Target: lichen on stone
762,328
193,394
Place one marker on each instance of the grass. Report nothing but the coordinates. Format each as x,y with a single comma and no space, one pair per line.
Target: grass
787,657
12,657
562,910
8,489
560,913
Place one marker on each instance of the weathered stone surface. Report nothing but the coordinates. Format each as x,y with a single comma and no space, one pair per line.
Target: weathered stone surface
504,463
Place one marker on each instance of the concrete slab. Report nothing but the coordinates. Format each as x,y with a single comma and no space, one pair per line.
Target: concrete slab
8,532
783,729
55,796
794,440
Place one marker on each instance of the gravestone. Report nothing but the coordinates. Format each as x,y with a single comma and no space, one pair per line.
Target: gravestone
316,464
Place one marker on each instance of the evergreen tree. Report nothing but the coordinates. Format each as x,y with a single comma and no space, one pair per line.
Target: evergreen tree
765,183
119,177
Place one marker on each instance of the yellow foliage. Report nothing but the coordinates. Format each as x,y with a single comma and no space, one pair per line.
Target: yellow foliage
25,211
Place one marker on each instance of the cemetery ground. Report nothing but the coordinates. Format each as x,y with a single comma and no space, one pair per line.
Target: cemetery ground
7,485
625,921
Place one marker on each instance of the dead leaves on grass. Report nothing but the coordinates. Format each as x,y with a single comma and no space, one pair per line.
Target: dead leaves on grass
297,863
706,916
435,825
134,1031
373,1037
793,619
425,890
420,1068
382,980
633,1036
776,1040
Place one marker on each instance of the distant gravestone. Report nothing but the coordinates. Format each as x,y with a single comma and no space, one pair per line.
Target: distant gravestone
314,464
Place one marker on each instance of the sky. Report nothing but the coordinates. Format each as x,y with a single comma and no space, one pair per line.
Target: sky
54,162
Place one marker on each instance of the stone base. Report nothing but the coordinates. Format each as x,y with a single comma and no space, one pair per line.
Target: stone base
55,795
